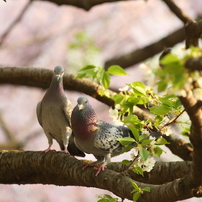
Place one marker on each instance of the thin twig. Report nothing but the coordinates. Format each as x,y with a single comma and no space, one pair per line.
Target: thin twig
132,163
177,11
5,128
14,23
172,120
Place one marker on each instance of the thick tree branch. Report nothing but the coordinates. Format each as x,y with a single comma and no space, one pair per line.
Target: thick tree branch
38,77
193,31
194,64
84,4
27,167
166,171
142,54
179,147
193,108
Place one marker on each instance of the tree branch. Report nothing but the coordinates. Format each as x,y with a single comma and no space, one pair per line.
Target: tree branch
84,4
193,31
193,108
166,171
142,54
39,77
27,167
14,23
177,11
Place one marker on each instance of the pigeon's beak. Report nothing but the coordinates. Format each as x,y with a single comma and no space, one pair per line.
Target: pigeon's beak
80,106
58,76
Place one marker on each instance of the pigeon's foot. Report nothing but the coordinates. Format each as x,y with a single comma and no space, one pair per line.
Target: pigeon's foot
89,164
47,150
65,151
102,167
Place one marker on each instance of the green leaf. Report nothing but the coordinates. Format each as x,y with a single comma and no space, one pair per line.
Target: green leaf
186,132
174,69
159,110
133,119
127,148
138,87
87,71
169,58
137,84
125,162
135,185
161,141
162,85
146,189
116,70
144,154
118,98
158,151
142,137
126,140
145,142
135,132
136,196
105,80
138,170
103,200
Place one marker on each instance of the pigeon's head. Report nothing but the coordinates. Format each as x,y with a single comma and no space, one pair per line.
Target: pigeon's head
82,103
58,72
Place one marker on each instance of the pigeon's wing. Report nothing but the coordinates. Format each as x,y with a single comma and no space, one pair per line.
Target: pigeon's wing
38,112
67,109
107,135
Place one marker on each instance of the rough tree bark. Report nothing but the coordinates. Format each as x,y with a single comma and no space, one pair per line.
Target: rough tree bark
28,167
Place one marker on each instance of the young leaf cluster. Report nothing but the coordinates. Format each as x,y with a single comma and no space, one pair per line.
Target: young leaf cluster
99,75
138,191
174,75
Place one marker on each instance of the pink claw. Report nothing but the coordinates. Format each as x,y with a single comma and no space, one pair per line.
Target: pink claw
88,164
47,150
65,151
102,167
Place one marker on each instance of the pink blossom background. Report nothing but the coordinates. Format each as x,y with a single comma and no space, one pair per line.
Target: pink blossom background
41,38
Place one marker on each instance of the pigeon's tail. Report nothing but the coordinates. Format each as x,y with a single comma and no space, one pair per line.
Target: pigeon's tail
72,148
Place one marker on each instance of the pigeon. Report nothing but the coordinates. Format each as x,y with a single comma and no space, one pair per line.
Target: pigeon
95,136
54,112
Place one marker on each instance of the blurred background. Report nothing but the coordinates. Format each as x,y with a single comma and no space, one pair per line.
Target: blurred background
46,35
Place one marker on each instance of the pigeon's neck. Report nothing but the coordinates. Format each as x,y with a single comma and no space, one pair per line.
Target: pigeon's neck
86,125
57,85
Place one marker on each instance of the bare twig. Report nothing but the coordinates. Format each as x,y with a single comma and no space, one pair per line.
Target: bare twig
14,23
7,132
172,120
177,11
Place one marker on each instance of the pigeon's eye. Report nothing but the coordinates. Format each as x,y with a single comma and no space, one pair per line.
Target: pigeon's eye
85,101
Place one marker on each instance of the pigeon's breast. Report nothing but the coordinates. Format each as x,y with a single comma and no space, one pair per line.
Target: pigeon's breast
54,121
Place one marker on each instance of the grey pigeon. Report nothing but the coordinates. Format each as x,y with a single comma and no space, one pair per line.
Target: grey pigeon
54,112
94,136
